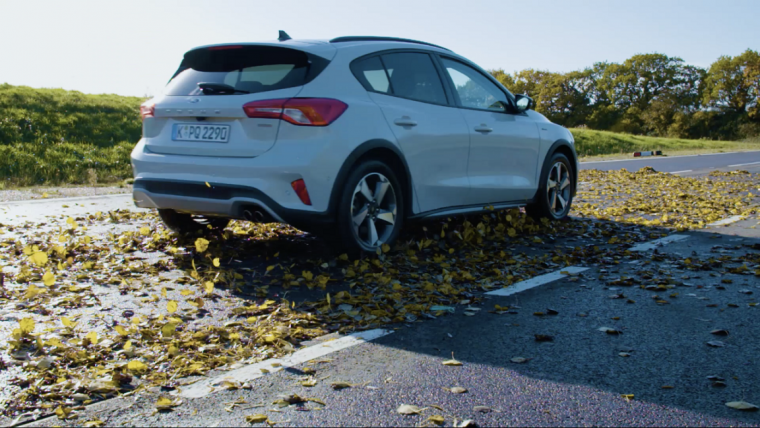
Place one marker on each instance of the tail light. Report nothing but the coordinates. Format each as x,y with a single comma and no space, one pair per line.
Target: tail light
300,187
298,111
147,109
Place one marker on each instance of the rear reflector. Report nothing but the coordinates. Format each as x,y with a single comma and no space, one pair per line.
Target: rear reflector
298,111
300,187
147,109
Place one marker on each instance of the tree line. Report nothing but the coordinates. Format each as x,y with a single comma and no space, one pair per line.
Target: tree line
651,94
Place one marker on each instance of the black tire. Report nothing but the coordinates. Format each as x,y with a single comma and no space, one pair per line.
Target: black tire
186,223
355,240
545,205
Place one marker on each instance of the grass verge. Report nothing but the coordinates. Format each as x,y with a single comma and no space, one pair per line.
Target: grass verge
599,145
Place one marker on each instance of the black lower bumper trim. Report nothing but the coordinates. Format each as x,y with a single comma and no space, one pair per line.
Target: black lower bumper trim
301,219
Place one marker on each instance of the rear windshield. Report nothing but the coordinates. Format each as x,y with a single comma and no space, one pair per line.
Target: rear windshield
247,69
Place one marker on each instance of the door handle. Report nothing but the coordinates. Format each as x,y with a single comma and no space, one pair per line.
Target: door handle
405,121
483,129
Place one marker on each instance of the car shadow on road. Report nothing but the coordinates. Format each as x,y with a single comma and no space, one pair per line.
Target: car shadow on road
660,355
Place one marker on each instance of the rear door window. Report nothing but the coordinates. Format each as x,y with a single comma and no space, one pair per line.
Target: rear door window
245,69
413,75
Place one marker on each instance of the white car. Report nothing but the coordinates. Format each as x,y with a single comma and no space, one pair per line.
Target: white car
346,138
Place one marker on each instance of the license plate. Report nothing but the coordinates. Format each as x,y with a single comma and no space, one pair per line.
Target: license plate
205,133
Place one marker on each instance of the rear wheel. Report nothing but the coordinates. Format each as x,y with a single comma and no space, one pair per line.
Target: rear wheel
181,223
555,194
371,208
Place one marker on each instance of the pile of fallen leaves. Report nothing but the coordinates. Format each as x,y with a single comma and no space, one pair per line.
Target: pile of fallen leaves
210,302
652,198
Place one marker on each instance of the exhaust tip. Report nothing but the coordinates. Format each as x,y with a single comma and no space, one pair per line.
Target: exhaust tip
255,216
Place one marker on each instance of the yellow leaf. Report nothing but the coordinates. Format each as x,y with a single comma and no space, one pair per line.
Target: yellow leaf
32,291
308,275
208,185
121,330
209,286
145,231
137,366
216,262
39,258
171,306
269,268
387,247
168,329
48,279
436,419
128,345
67,322
163,292
62,412
627,396
173,351
186,292
328,299
94,423
256,419
201,245
165,403
26,325
452,362
92,337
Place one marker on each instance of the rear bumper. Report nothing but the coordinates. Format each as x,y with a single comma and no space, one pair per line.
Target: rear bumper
223,200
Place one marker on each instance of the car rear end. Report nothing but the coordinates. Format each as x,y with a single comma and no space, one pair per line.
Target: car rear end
209,142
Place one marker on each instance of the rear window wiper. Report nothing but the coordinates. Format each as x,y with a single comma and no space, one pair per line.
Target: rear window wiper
219,89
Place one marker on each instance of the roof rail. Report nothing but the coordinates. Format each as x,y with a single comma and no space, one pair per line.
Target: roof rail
381,39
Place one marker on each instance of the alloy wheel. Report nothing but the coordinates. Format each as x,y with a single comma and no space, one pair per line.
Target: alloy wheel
373,210
558,189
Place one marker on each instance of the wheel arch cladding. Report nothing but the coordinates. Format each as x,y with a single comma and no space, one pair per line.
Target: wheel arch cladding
564,147
381,150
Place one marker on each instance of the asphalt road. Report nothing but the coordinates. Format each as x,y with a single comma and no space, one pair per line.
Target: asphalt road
692,164
579,378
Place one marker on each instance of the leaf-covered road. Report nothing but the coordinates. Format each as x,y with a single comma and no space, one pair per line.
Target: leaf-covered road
111,303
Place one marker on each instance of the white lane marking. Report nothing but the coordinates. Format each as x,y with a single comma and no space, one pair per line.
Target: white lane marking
657,243
536,281
678,172
743,164
667,157
253,371
725,221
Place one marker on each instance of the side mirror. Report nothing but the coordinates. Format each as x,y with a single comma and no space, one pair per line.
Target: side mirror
523,103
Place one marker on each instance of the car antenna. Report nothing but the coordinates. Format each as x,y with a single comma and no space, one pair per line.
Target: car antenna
283,36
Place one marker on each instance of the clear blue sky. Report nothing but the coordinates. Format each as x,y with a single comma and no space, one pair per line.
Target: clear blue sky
131,47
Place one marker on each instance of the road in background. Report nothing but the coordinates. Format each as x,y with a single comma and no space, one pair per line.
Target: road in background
692,165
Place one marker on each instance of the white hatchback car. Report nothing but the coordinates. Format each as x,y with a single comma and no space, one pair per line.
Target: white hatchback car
345,138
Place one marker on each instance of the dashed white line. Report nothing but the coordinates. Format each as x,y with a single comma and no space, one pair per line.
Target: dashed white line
254,371
536,281
726,221
743,164
657,243
679,172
